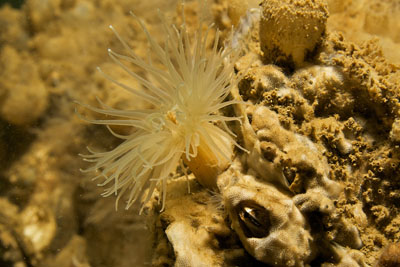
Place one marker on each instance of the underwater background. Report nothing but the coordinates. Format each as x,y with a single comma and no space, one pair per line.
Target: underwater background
339,92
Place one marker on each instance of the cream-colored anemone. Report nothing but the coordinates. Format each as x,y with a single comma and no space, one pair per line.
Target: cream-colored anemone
190,89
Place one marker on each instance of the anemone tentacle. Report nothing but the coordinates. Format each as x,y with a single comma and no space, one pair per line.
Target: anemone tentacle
187,93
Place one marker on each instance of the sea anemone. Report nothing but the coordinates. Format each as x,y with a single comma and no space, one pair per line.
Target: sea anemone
190,88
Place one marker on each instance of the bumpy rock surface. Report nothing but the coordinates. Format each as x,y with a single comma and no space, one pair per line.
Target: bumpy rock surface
290,30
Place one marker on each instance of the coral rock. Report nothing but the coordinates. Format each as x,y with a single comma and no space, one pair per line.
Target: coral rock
269,225
390,256
291,29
